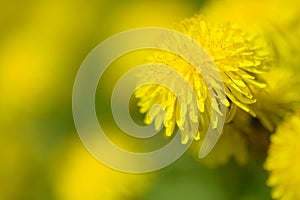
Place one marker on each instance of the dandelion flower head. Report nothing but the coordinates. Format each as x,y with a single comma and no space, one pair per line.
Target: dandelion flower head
240,59
282,162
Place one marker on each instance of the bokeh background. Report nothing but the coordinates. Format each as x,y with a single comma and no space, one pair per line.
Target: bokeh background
42,44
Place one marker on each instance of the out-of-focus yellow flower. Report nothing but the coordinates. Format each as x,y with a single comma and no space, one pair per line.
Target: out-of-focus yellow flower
282,95
284,37
282,162
83,177
253,14
279,99
239,57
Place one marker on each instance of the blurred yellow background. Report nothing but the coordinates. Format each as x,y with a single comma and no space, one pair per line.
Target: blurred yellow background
42,44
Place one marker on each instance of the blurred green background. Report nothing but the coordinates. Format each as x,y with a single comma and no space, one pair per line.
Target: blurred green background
42,44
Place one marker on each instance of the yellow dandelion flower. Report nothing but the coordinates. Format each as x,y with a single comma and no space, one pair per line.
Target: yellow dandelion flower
240,59
81,176
282,162
274,104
